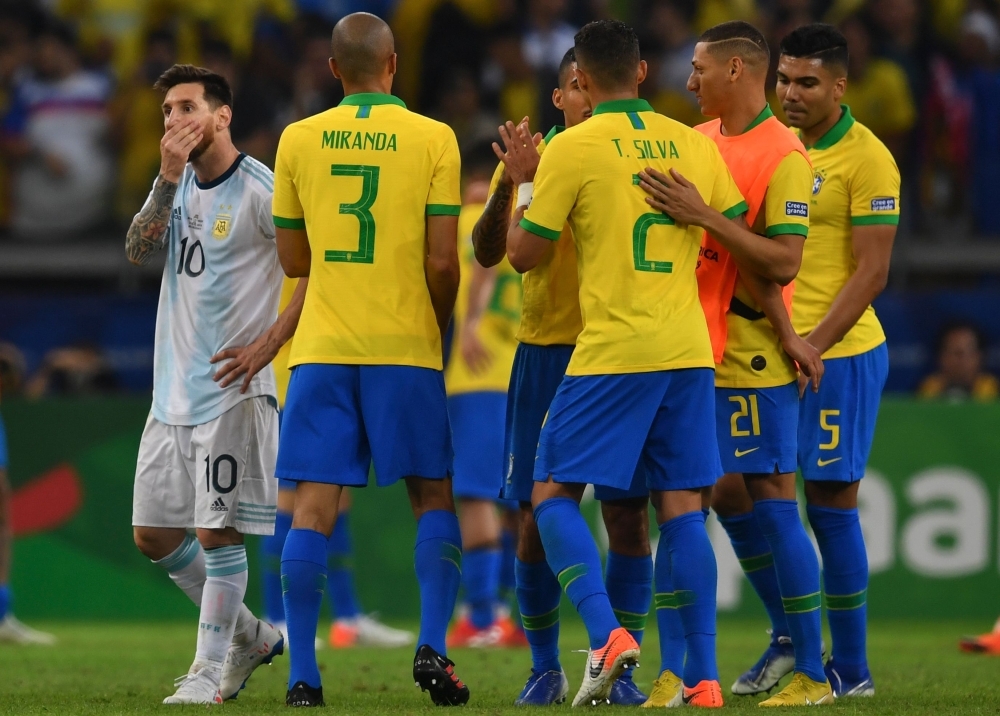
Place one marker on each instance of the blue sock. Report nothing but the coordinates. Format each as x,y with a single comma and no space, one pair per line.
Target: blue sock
437,559
845,581
480,580
508,555
4,600
668,619
538,595
303,579
629,581
693,571
572,555
271,547
798,577
755,557
340,570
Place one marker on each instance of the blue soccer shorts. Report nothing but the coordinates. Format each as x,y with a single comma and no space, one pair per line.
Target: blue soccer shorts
757,428
602,428
340,420
477,431
837,424
534,380
283,484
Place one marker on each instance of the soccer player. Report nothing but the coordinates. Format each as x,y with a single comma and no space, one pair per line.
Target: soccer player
486,317
207,454
756,384
366,204
11,628
854,214
350,626
550,324
639,385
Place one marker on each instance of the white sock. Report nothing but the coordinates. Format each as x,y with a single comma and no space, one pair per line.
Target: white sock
222,598
186,567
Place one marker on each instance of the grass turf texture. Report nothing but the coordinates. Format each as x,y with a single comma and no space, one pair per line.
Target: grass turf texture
128,668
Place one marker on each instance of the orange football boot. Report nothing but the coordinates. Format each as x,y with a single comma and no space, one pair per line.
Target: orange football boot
343,635
706,695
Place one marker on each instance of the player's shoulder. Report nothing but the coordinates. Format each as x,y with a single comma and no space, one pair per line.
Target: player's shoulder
865,149
258,177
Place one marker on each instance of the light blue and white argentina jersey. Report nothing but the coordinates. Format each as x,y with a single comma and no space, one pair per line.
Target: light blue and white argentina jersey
220,290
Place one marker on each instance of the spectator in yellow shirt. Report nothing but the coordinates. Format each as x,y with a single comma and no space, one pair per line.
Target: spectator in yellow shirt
960,373
877,90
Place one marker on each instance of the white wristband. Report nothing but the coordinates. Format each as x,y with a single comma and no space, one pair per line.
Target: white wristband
524,193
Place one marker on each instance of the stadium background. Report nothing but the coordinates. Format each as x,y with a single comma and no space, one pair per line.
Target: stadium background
76,321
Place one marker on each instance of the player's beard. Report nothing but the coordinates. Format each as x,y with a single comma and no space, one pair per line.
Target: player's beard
203,145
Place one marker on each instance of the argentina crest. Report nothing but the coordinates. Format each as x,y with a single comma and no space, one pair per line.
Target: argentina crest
223,223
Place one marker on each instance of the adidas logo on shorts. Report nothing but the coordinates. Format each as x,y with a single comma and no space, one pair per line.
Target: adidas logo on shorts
219,506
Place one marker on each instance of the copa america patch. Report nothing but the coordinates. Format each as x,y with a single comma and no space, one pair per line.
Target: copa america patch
796,208
884,203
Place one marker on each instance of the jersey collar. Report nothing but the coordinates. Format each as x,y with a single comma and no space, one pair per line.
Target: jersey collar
222,177
764,115
623,105
835,133
553,132
367,99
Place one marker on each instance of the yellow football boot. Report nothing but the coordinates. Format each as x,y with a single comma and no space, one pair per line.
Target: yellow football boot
665,690
801,691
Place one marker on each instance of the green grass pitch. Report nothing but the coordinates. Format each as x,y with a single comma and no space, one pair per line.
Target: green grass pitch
128,668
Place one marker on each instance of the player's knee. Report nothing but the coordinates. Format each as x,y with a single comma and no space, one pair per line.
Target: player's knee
627,522
427,495
215,538
838,495
153,543
730,497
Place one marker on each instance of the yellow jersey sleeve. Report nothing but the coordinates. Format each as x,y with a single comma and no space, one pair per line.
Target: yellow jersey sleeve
495,181
445,195
285,206
726,197
557,184
786,209
874,188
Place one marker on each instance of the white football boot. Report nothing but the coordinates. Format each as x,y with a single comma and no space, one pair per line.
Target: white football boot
372,632
198,686
242,659
15,632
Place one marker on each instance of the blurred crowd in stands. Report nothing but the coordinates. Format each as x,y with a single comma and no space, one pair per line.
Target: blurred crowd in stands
81,123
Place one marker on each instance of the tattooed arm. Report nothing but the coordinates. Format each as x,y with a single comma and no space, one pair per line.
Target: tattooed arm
149,227
489,236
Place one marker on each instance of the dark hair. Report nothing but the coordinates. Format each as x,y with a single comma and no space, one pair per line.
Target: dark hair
217,89
817,41
565,64
608,51
737,38
961,325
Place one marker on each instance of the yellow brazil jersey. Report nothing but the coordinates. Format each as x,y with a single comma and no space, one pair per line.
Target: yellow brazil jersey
550,311
753,356
361,179
855,183
282,373
638,292
881,98
497,325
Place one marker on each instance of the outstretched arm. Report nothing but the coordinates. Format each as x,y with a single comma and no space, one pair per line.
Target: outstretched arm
251,359
481,286
777,258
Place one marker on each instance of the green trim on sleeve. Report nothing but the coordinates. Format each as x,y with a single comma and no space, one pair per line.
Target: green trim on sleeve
776,229
885,219
283,223
539,230
443,210
734,211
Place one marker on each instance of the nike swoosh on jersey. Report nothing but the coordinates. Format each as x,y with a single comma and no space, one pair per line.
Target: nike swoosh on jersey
741,453
820,462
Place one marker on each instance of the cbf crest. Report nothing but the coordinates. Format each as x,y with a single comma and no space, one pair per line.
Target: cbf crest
223,223
818,180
